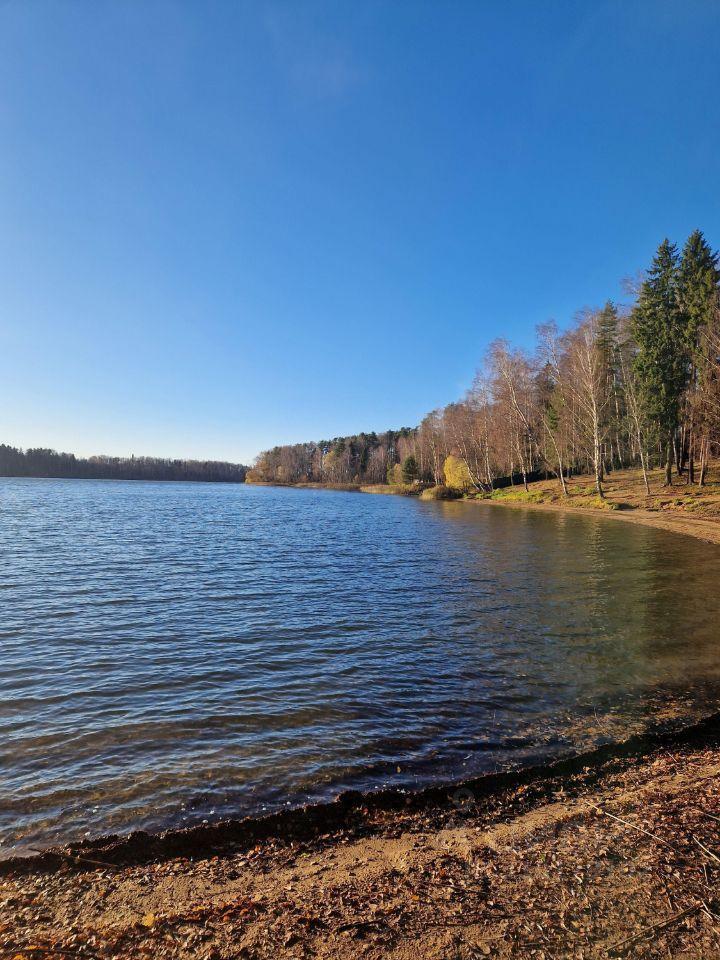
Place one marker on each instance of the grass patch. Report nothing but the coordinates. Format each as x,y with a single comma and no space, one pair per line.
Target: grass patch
594,503
513,495
440,493
586,497
393,489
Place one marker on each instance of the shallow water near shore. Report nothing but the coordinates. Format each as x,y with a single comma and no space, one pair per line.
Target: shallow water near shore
171,653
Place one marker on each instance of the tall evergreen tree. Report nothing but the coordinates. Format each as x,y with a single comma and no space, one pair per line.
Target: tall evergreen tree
699,280
609,346
661,332
410,469
608,330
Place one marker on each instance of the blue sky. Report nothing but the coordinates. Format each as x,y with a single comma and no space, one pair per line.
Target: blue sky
229,225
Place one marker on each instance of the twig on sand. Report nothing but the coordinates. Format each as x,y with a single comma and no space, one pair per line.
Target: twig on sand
655,837
634,826
713,916
706,851
705,812
656,927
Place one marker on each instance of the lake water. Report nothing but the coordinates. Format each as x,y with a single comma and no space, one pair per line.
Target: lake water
177,652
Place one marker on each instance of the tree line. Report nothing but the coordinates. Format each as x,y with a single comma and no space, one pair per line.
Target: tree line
622,386
361,458
40,462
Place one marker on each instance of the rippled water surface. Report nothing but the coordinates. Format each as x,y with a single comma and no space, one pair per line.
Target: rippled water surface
174,652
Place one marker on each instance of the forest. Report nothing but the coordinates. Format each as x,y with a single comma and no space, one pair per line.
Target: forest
48,463
635,385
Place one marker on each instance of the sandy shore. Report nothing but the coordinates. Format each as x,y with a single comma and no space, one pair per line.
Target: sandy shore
612,854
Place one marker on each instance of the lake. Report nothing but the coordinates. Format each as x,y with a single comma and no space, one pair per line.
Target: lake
179,652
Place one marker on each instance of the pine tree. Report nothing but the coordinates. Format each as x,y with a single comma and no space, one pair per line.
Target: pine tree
661,331
699,282
409,469
608,330
609,346
698,278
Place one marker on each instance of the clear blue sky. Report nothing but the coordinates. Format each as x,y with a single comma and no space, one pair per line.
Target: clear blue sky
229,225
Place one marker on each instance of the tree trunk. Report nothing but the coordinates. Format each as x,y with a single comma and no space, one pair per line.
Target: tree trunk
691,459
522,464
644,471
598,465
703,463
680,452
669,460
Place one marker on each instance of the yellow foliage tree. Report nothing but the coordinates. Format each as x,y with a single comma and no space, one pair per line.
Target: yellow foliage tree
457,475
395,474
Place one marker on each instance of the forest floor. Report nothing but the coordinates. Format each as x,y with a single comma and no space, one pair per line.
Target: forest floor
614,855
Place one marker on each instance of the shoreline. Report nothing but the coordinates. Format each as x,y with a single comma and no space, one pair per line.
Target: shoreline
674,522
303,822
610,849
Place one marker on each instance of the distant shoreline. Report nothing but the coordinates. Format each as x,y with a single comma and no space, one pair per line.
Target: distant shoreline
41,463
124,479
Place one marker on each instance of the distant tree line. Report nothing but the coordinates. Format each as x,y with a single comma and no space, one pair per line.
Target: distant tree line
362,458
637,386
39,462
